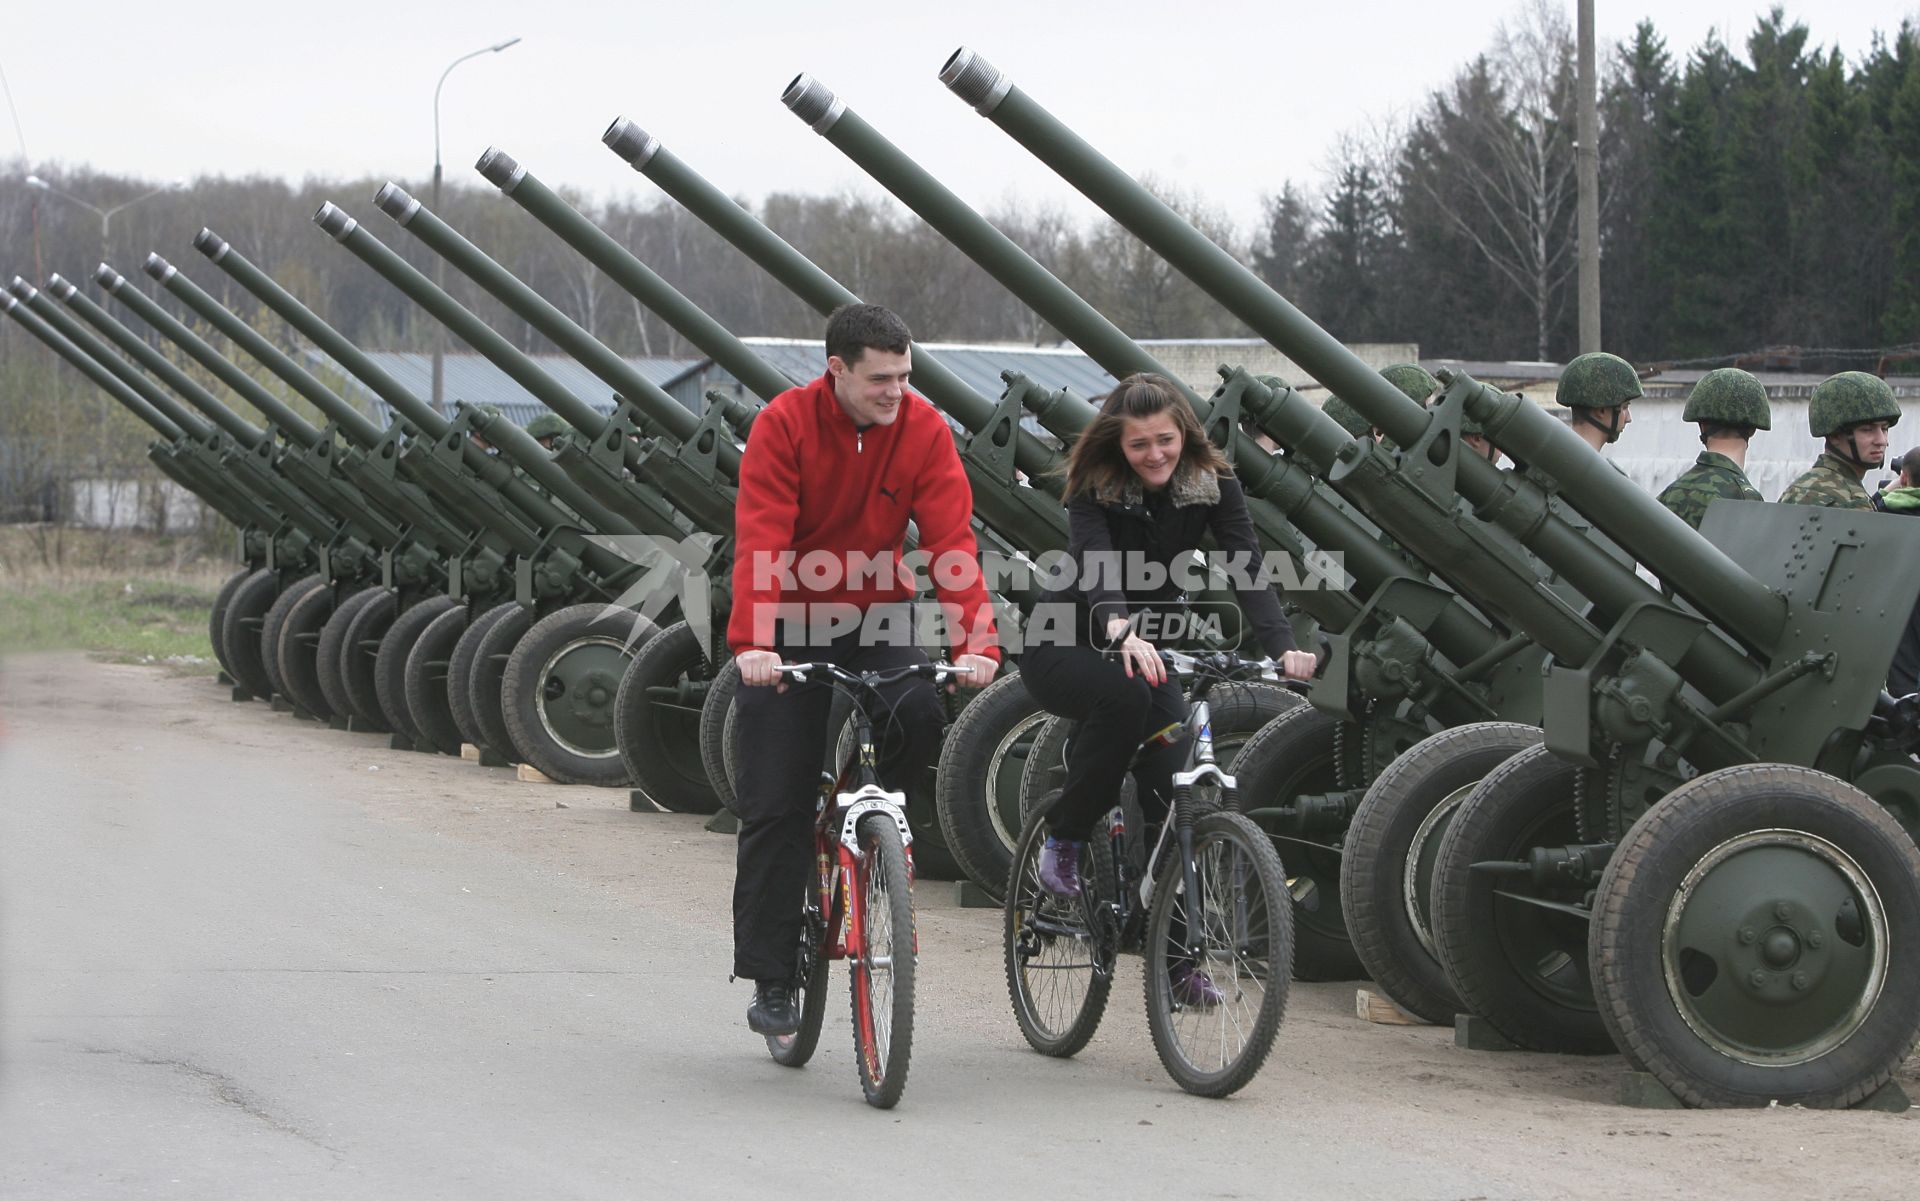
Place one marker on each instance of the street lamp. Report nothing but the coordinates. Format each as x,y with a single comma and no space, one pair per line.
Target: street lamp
439,334
105,215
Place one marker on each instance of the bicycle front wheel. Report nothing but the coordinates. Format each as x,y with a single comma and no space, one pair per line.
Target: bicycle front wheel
1218,962
883,964
1059,968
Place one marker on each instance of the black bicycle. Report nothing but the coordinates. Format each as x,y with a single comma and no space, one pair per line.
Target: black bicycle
1208,907
859,906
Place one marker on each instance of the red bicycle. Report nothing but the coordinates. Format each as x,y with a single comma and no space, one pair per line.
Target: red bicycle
860,907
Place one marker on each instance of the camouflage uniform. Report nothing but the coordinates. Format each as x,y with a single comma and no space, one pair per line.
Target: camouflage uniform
1711,477
1829,483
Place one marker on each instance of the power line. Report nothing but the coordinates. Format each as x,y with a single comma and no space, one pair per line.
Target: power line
13,109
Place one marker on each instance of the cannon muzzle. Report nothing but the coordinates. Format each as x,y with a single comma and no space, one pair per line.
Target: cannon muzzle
108,278
975,80
813,102
158,267
393,200
500,169
61,288
333,220
21,288
210,244
631,142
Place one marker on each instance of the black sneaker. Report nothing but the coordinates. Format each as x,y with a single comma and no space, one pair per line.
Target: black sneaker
773,1011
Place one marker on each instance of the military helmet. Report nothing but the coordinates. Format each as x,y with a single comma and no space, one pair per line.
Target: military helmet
1598,380
1731,397
1849,399
1413,379
548,425
1349,417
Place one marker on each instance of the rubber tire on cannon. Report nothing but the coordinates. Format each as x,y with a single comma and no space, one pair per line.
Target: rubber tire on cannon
715,713
298,650
1756,937
486,679
390,663
1386,876
1515,951
559,691
359,661
240,631
424,680
657,721
274,623
461,667
217,617
330,657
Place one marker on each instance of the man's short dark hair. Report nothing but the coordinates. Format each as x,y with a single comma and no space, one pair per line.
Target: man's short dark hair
1910,465
854,329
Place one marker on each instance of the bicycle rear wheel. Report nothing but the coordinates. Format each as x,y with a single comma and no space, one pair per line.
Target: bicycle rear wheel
1238,930
793,1050
883,964
1059,966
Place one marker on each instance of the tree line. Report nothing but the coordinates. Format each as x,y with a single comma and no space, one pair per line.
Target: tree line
1764,197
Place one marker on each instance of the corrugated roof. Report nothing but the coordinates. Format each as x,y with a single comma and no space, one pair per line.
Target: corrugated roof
977,364
474,379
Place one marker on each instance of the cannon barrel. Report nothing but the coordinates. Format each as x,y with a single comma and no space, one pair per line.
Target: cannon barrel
646,512
178,415
930,377
356,426
488,471
231,423
297,428
667,413
96,371
1697,570
713,339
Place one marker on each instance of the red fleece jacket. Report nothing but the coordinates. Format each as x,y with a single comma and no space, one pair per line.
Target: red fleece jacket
811,482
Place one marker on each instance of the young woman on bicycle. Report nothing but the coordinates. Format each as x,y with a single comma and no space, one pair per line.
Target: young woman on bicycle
1144,485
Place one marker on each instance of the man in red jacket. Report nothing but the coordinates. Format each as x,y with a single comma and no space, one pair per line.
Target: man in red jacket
832,473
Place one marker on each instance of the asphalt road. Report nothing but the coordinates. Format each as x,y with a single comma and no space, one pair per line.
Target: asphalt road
242,956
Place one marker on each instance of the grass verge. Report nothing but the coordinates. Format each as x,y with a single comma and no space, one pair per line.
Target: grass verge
133,607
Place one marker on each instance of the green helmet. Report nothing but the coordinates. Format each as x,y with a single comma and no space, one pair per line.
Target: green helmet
548,425
1598,381
1731,397
1349,417
1849,399
1413,379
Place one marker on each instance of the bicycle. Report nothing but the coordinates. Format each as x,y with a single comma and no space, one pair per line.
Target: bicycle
1061,953
860,905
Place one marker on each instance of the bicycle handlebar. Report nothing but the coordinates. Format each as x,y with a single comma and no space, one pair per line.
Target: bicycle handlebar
939,673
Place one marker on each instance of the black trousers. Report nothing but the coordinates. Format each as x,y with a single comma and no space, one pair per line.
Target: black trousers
1115,714
783,741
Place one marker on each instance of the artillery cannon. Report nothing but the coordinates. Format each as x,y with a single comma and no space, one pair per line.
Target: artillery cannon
1692,865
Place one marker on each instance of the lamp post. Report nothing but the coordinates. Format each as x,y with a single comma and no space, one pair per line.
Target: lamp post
105,215
439,267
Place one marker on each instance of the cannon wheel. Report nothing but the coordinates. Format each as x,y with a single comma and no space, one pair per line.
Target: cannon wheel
977,789
216,619
275,623
1386,881
424,680
1516,959
1296,754
715,715
559,689
390,663
460,672
299,650
485,688
329,659
1757,937
359,657
240,631
656,721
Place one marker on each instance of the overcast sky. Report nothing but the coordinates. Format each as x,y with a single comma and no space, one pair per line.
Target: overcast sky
1229,98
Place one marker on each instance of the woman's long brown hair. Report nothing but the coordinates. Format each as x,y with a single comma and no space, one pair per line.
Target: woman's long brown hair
1096,463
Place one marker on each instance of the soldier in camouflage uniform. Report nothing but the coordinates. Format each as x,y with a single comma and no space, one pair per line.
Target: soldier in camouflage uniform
548,428
1853,411
1600,388
1729,406
1412,379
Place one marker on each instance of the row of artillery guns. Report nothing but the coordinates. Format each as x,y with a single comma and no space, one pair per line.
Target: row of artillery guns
1576,777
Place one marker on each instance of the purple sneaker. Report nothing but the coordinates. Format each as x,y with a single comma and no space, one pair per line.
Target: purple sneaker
1060,867
1192,988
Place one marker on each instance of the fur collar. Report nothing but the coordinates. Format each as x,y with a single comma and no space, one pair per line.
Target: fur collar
1190,485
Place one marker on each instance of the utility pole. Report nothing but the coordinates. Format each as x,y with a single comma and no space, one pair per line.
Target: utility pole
1587,173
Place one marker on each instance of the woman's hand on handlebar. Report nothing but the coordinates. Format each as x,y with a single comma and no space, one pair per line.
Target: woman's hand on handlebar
1137,653
759,668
